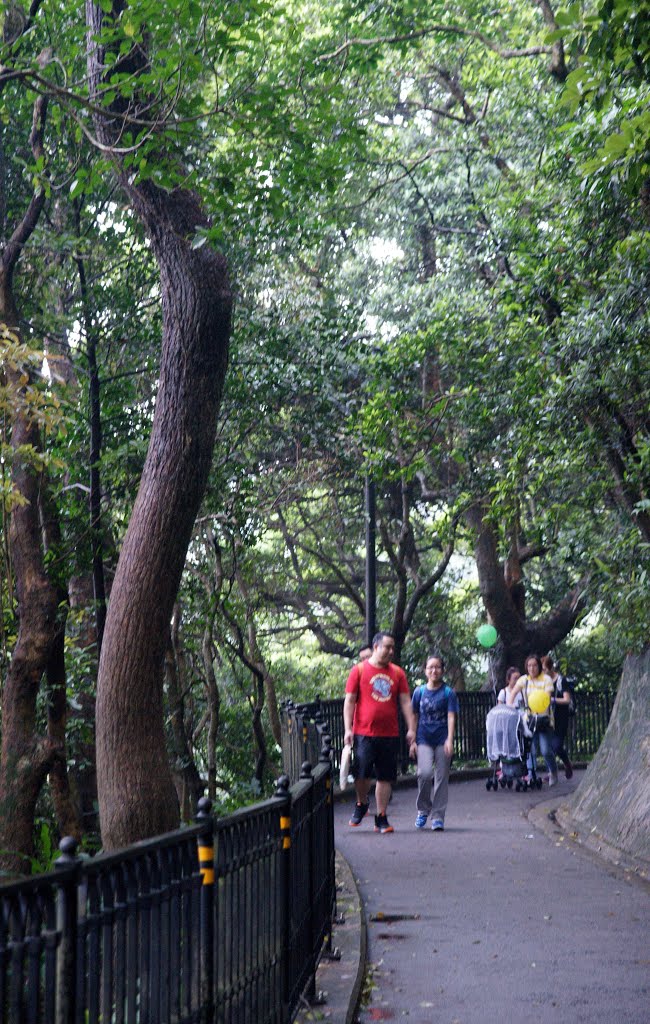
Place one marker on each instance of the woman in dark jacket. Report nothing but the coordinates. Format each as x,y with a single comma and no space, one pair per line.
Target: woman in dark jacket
562,702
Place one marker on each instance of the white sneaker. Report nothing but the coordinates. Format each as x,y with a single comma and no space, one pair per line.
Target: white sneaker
552,779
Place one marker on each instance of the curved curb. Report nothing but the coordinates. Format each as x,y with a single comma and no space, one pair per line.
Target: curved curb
553,819
340,978
357,925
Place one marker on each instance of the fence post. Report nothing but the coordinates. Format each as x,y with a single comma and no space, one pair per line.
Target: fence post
66,913
306,775
283,793
326,758
305,735
205,843
289,746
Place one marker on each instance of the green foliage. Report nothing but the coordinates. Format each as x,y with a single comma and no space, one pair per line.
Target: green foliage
440,261
610,85
46,850
592,659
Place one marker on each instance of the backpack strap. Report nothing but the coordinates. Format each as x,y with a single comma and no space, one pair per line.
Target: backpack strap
358,677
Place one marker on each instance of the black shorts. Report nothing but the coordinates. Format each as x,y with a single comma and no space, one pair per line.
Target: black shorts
375,757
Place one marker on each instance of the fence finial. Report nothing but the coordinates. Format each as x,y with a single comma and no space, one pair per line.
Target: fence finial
204,808
282,786
68,848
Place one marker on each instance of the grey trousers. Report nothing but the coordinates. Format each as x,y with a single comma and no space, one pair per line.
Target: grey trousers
433,767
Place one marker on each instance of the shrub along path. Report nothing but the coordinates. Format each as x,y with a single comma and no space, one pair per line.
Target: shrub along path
494,919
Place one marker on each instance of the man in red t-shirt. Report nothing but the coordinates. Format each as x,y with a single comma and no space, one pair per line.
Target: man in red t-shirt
373,692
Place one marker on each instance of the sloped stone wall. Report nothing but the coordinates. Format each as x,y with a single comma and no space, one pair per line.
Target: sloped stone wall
613,800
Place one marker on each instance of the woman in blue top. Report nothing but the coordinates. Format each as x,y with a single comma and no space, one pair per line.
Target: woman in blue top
435,707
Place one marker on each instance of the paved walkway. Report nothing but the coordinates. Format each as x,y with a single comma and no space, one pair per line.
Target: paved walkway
495,920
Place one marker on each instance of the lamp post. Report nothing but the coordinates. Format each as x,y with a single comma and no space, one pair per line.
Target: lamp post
371,567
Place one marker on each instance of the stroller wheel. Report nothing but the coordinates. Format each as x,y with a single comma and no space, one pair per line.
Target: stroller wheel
524,785
538,783
518,787
509,783
503,783
488,784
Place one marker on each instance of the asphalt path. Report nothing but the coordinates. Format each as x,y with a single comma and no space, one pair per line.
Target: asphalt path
494,920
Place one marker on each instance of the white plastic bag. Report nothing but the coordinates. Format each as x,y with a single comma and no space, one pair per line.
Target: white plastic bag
346,758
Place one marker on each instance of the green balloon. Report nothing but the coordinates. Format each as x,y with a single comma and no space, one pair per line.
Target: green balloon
486,635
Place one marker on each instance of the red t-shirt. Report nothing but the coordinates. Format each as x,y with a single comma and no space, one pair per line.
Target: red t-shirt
378,691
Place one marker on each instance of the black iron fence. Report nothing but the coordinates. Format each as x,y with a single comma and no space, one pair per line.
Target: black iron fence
224,921
307,722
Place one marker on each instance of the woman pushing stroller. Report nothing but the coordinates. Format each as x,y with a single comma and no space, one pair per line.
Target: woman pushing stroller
535,680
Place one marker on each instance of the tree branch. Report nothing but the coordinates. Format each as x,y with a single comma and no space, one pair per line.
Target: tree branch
29,221
507,53
557,66
428,585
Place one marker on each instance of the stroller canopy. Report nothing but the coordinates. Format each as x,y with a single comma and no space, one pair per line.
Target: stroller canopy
504,735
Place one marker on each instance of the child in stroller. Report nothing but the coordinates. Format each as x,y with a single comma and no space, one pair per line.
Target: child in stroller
509,738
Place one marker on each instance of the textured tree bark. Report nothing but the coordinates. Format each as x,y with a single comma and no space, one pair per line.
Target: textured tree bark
136,794
612,802
135,788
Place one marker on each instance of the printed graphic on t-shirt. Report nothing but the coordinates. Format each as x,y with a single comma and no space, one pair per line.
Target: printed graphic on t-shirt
433,708
381,688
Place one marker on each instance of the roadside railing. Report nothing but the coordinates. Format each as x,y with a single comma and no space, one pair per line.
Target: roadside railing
223,921
308,721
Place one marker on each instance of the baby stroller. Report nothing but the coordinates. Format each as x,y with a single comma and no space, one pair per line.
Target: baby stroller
508,743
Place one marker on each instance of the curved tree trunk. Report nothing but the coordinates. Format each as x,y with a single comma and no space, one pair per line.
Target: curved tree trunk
135,788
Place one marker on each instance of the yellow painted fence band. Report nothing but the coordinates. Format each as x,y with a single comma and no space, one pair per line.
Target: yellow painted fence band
206,864
285,826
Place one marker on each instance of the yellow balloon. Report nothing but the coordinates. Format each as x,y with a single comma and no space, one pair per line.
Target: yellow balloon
538,701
